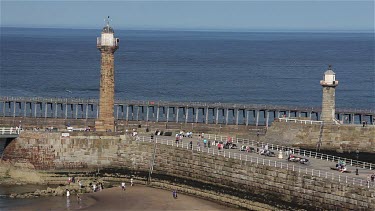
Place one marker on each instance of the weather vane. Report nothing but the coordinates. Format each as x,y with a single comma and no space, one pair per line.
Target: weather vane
107,20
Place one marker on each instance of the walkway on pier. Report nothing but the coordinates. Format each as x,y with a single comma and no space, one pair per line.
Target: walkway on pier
316,167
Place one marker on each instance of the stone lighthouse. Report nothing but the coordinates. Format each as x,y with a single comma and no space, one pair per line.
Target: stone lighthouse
107,45
329,84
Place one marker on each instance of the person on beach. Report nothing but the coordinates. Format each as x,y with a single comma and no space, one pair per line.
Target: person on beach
78,198
174,194
131,181
123,186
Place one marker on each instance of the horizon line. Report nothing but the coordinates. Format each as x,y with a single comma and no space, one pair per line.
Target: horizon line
202,29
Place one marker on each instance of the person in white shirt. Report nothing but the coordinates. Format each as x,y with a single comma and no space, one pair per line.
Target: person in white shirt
123,186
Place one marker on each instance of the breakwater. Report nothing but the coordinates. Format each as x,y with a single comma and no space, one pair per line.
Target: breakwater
339,138
238,182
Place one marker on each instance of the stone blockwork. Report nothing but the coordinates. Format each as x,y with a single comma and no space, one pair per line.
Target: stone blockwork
328,104
239,130
107,90
334,137
233,181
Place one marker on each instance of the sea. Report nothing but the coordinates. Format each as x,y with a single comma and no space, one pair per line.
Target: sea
278,68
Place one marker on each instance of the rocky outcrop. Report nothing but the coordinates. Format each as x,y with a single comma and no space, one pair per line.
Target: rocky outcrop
18,173
60,190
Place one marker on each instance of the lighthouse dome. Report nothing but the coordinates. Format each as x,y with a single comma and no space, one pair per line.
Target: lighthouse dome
108,29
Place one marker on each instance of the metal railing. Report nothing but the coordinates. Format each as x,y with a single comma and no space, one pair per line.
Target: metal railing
298,151
10,130
261,161
310,122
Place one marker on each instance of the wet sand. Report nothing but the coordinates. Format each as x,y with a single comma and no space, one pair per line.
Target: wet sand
133,198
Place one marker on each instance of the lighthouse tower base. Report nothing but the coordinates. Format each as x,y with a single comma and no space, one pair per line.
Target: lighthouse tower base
105,125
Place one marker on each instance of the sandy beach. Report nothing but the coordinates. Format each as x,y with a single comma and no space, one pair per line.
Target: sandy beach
133,198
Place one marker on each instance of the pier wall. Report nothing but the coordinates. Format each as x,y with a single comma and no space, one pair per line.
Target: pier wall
237,182
141,126
341,138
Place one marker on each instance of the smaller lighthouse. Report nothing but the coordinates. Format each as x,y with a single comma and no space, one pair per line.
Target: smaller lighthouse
107,44
329,84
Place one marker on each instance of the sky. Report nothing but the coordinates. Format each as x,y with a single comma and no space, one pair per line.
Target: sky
313,15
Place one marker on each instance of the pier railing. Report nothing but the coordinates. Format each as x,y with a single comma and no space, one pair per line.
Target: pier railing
302,152
338,177
10,130
306,122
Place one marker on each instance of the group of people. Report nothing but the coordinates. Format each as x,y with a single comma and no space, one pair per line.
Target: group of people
341,166
179,138
158,132
71,180
97,187
123,185
68,195
206,143
263,150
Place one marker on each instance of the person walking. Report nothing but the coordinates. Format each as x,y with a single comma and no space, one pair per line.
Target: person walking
123,186
131,182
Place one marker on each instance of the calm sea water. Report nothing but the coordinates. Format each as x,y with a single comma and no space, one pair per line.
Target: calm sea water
235,67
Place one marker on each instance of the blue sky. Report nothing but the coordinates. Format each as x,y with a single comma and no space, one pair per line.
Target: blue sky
195,15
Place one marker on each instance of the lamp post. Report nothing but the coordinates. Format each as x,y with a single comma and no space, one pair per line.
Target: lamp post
357,156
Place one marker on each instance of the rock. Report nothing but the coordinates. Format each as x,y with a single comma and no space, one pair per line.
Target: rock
60,190
37,192
50,190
